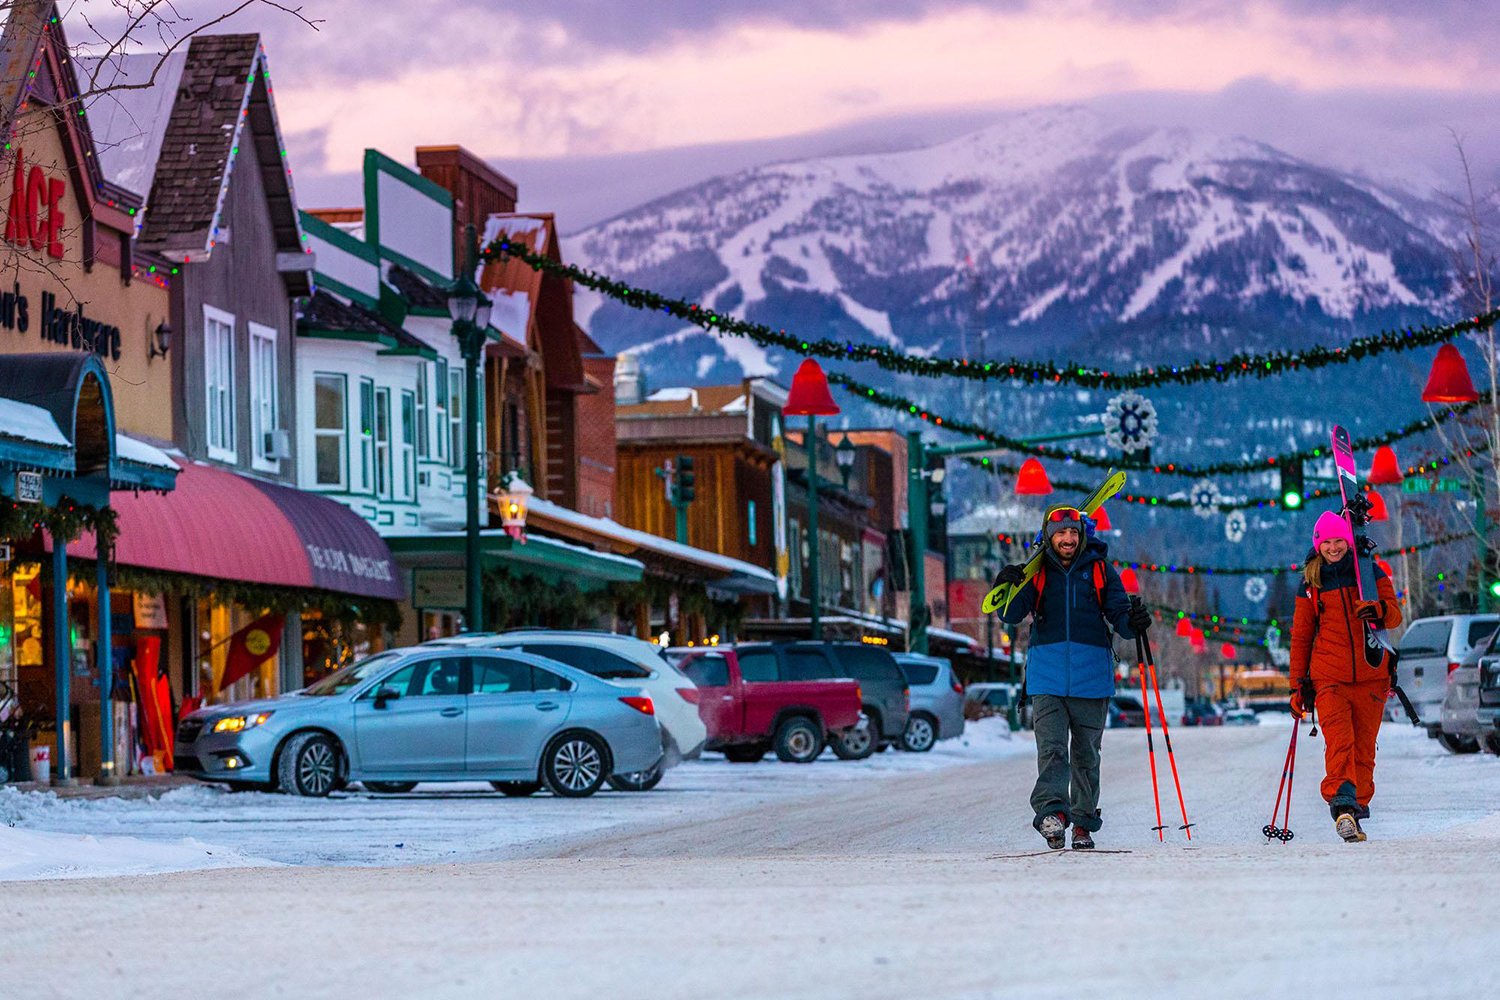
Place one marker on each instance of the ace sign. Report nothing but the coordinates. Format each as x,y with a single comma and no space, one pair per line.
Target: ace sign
35,217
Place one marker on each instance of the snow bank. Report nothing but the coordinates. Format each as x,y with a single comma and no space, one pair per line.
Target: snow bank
32,854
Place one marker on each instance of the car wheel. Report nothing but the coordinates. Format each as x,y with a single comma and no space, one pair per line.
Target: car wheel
575,765
798,741
859,742
920,735
1492,743
638,781
1458,744
516,789
309,765
389,787
744,755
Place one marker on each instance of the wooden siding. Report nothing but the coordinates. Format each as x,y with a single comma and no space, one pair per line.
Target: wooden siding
726,477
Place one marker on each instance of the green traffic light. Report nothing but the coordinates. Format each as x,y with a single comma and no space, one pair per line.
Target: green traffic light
1292,499
1495,588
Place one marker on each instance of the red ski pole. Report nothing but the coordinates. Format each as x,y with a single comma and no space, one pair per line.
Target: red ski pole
1166,736
1291,780
1150,747
1271,830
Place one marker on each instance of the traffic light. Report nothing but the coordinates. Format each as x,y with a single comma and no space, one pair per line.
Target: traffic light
1292,490
685,478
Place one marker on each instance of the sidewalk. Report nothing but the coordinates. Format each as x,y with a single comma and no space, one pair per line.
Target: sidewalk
136,786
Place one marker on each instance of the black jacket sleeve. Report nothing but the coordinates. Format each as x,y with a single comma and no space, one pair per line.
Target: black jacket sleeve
1116,603
1023,604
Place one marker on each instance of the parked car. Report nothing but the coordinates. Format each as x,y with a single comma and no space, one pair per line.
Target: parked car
1466,725
1132,714
937,701
1489,703
622,660
767,699
886,695
1431,649
1241,717
1202,712
992,697
1115,719
429,713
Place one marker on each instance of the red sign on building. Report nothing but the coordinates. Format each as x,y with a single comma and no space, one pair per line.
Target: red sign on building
35,217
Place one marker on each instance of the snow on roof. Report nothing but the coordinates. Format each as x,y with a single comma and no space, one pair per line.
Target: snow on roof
141,453
128,125
735,405
30,423
673,394
510,313
515,225
646,540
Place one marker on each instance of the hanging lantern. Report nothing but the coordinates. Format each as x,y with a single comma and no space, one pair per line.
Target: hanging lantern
1449,381
1031,480
514,495
1200,644
1184,628
1384,470
1129,581
1101,521
1377,507
809,395
1227,651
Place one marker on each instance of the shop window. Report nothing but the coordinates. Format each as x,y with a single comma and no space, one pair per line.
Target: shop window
405,448
329,437
383,443
263,414
423,432
218,362
456,418
366,433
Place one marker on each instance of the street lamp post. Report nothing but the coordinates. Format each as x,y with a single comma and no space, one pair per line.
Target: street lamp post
470,309
844,456
809,397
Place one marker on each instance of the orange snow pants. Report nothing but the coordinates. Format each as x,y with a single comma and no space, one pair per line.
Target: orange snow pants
1350,715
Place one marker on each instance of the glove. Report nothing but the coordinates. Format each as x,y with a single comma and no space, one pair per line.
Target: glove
1368,611
1011,575
1140,618
1303,696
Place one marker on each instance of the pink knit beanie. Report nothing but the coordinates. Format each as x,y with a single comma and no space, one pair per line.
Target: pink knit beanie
1329,526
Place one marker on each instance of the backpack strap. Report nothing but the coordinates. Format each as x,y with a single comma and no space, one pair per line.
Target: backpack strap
1099,583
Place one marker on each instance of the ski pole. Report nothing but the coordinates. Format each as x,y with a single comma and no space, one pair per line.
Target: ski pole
1271,830
1166,736
1291,781
1150,746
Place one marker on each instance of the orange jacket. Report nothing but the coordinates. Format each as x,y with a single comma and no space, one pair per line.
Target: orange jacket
1327,637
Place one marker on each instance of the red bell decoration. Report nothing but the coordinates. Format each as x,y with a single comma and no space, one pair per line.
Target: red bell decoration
1377,507
1227,650
1031,480
1101,522
1184,628
1200,644
1384,470
809,395
1385,567
1449,381
1129,582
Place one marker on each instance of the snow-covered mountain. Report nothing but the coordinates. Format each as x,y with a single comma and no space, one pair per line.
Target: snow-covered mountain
1052,233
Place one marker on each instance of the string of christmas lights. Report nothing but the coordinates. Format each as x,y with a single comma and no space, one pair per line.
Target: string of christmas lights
909,407
1296,567
1016,370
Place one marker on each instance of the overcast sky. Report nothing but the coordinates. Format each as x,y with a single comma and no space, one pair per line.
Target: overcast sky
534,85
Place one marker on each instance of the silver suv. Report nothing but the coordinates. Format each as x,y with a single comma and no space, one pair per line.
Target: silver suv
1432,648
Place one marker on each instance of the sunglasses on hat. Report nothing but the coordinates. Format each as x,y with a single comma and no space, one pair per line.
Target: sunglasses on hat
1065,515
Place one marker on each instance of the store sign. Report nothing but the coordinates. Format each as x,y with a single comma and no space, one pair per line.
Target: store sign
29,487
149,610
1444,484
437,589
35,218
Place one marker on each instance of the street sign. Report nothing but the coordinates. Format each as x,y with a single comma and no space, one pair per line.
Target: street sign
437,589
1421,484
29,487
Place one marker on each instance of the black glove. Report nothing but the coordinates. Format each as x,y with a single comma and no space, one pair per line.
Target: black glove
1140,618
1012,575
1370,611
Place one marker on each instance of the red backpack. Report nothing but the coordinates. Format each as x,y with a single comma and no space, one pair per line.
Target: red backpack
1040,579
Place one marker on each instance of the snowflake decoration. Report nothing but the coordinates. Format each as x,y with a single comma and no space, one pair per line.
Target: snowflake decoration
1205,498
1255,590
1235,525
1130,422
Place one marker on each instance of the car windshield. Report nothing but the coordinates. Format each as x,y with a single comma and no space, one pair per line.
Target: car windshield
353,675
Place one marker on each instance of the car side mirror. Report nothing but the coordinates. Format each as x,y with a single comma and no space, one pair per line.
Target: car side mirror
384,695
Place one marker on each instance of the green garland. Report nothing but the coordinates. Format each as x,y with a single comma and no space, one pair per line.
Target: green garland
911,408
280,600
67,520
1028,372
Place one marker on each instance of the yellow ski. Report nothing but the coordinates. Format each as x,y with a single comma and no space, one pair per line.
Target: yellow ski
999,599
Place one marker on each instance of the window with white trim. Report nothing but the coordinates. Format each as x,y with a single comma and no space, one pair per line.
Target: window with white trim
440,408
218,372
383,443
366,432
456,454
263,414
330,423
405,449
422,430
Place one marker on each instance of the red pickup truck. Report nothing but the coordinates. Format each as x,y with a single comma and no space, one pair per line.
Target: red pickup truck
753,703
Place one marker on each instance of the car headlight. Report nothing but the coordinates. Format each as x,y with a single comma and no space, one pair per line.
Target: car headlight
239,723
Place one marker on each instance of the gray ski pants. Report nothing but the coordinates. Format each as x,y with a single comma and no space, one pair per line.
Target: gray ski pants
1067,783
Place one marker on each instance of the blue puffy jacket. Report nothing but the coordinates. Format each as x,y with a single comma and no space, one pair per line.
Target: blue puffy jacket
1070,649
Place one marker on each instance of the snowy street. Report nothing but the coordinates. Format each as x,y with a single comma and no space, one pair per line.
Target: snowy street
773,880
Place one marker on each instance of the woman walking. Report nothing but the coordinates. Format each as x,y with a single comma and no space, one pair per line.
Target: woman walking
1330,672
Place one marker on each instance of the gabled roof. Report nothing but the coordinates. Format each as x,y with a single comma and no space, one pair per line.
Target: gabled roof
223,86
419,293
324,314
524,297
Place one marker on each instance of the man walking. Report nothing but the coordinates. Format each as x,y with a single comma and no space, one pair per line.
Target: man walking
1073,599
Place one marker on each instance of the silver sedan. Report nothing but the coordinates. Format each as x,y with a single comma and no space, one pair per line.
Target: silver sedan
513,719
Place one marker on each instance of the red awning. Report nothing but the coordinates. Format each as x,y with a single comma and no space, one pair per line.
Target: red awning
218,524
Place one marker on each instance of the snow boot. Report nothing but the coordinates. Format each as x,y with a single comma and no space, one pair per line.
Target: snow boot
1081,839
1055,829
1348,828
